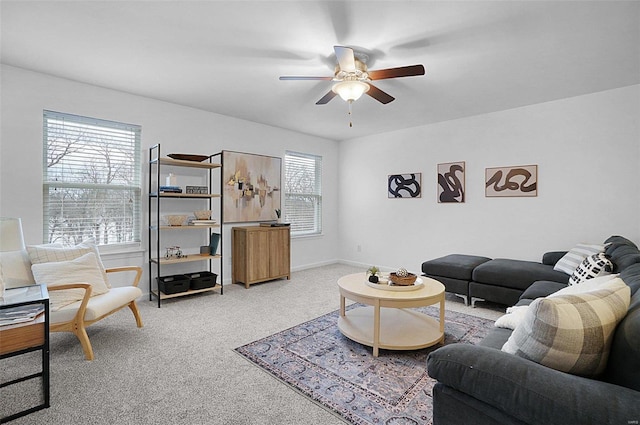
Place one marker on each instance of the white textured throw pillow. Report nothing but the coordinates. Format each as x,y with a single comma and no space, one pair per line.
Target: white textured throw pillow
586,286
572,333
593,266
572,259
84,269
513,318
49,253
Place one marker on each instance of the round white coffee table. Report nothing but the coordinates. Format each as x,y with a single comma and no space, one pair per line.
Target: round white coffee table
387,321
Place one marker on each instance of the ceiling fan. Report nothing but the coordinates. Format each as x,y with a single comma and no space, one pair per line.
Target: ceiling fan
353,79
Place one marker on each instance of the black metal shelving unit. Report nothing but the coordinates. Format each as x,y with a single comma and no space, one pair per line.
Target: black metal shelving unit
158,262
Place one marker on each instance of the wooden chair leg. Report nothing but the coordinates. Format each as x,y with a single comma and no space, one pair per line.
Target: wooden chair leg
136,313
81,333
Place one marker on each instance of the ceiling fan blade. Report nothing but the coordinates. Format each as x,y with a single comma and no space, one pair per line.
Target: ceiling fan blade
346,59
287,77
379,95
403,71
326,98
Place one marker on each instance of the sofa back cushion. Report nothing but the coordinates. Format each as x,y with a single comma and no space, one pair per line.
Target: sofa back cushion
623,367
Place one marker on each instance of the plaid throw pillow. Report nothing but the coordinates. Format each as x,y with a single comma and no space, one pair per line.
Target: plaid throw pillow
572,333
593,266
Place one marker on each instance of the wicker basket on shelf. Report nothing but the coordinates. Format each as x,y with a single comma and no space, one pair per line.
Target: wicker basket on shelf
407,280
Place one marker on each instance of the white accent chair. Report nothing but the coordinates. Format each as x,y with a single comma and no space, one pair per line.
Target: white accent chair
15,269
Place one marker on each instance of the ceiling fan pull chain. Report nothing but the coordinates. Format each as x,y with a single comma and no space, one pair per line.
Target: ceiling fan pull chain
350,120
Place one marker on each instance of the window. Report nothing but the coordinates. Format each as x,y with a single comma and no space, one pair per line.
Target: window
91,181
303,193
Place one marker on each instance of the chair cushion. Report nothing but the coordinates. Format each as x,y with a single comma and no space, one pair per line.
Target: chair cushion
84,269
572,333
99,305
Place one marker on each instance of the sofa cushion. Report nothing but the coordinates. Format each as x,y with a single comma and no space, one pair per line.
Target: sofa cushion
624,359
623,256
593,266
456,266
572,333
552,257
611,240
572,259
517,274
84,269
532,393
541,288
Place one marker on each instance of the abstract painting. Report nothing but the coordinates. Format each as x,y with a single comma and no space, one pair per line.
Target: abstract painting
521,180
251,187
405,185
451,182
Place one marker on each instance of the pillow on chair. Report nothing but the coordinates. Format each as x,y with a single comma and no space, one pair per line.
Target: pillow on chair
49,253
84,269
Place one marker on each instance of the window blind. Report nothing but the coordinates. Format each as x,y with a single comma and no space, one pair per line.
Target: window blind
303,193
91,181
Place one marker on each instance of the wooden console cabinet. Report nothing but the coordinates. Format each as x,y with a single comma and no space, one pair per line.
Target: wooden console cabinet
260,253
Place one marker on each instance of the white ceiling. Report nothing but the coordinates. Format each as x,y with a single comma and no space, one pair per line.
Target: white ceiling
226,56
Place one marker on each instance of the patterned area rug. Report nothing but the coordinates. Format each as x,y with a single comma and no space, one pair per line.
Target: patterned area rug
344,377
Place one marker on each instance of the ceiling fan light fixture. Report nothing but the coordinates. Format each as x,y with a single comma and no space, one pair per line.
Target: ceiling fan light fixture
350,90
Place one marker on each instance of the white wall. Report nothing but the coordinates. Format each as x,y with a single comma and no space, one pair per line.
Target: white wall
587,150
179,129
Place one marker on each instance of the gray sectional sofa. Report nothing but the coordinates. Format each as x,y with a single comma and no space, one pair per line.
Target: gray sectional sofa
499,280
482,385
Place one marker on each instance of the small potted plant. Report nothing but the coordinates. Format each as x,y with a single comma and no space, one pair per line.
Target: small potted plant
278,213
373,274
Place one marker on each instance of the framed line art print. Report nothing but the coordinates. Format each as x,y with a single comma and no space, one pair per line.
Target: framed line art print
514,181
404,185
451,182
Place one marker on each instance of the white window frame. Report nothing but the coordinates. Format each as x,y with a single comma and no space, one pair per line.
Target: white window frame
303,200
97,160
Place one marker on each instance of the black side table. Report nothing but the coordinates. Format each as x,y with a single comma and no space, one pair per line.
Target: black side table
21,338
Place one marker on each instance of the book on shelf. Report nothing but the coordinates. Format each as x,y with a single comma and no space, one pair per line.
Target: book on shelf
170,189
21,314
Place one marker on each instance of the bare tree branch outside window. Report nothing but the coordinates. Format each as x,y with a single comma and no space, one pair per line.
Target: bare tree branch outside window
91,180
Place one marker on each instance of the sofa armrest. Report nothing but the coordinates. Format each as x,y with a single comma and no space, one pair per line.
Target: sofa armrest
552,257
529,391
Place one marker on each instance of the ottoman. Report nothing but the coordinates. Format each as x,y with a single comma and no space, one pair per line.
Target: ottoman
454,271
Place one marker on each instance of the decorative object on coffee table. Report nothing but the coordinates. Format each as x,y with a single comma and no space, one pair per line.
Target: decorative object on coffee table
373,274
402,277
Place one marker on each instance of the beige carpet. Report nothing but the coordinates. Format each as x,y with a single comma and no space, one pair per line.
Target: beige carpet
181,368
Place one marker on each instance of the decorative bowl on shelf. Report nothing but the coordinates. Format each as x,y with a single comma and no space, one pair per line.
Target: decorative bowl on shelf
409,279
175,220
202,214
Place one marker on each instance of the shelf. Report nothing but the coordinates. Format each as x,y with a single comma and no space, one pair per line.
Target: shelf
183,163
193,226
185,195
189,258
164,296
160,265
